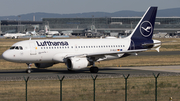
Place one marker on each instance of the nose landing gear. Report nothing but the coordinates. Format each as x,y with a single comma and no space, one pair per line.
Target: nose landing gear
29,68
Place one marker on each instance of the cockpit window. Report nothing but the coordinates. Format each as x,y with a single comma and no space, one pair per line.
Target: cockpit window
12,47
20,48
16,48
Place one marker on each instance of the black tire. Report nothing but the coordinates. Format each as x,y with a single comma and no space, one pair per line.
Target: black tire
28,71
69,70
94,69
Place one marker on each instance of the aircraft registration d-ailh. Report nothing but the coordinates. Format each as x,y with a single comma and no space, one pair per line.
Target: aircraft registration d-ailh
81,53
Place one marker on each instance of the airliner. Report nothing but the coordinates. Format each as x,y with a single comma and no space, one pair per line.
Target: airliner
31,32
34,32
14,35
50,33
81,53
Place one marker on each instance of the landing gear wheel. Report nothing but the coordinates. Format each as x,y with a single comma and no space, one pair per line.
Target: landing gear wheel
28,71
70,70
94,69
29,68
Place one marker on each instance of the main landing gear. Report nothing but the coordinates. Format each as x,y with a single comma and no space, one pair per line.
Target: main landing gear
29,68
94,69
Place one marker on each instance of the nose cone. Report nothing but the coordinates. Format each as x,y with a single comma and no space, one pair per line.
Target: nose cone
7,55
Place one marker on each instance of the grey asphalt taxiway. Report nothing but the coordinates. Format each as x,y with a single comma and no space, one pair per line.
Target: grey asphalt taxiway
106,72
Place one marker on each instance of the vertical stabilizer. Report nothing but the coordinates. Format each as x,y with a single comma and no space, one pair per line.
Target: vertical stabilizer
145,27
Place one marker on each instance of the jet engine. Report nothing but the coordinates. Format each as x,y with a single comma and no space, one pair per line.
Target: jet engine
43,65
77,63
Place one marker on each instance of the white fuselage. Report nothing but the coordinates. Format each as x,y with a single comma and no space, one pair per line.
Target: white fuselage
54,51
52,32
13,35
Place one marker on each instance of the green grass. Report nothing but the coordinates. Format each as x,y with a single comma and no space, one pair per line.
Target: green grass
109,89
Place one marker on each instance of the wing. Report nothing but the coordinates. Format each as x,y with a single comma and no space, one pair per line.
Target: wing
95,56
105,53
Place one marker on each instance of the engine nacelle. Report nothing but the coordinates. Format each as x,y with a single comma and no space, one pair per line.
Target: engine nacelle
77,63
43,65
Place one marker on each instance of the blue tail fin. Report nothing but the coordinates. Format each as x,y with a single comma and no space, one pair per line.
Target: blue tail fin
145,27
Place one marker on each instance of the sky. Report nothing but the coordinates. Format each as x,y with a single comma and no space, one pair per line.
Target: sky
17,7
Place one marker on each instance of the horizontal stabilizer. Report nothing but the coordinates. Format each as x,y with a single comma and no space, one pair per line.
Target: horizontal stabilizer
157,49
148,44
